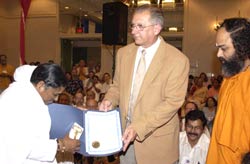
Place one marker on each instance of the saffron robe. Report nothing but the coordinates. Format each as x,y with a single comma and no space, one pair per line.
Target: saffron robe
231,131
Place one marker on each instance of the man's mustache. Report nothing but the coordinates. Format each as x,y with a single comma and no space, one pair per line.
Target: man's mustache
195,134
222,60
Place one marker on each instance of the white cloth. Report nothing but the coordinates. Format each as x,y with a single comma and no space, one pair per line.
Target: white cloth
25,125
23,73
195,155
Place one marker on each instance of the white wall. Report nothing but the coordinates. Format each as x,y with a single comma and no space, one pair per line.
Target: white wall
42,39
42,31
199,35
9,30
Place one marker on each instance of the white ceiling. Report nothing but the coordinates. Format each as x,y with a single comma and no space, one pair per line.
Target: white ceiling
93,8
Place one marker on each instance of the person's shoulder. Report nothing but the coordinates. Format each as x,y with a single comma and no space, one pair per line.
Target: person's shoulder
205,138
182,134
173,51
128,47
243,80
183,140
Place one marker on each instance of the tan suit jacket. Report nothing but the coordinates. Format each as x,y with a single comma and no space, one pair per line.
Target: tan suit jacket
162,93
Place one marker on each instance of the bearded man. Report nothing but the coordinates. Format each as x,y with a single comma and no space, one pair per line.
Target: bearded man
231,136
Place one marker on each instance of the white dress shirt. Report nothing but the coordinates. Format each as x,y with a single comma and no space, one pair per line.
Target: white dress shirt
25,124
150,53
193,155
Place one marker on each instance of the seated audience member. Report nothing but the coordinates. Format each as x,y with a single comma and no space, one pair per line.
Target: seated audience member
68,76
6,73
64,98
220,79
95,87
188,106
78,101
82,70
200,94
204,77
92,104
75,84
211,79
89,95
214,90
193,86
106,81
89,81
190,84
210,111
193,142
98,71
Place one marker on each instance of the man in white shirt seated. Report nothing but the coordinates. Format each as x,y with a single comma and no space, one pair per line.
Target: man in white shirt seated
193,142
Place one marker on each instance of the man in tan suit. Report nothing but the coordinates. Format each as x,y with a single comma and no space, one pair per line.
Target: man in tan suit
150,123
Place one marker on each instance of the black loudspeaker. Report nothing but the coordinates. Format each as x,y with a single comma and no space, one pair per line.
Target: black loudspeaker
115,23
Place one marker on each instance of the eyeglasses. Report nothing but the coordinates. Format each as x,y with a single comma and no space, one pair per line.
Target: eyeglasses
139,27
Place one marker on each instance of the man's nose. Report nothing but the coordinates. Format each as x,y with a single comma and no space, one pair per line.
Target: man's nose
220,53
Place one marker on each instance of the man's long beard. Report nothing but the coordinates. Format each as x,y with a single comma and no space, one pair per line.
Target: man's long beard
232,66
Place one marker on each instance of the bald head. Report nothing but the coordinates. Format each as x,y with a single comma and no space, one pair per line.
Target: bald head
91,104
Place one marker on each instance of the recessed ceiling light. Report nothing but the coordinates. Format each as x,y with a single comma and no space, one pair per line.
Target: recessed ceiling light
66,7
168,1
173,29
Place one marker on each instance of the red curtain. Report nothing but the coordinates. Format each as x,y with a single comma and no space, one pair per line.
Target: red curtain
25,4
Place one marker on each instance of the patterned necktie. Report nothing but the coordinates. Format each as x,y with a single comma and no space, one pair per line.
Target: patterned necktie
139,76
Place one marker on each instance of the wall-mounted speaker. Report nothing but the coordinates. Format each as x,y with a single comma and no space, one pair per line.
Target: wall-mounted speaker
115,23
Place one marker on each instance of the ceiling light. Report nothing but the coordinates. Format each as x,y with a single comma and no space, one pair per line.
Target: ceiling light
168,1
173,29
66,7
142,2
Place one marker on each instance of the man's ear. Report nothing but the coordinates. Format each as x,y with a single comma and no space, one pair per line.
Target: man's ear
40,86
157,29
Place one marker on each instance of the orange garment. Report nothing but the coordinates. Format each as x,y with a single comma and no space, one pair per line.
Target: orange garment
5,73
231,131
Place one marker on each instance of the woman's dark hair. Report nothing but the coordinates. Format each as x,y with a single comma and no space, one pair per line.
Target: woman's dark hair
52,75
214,100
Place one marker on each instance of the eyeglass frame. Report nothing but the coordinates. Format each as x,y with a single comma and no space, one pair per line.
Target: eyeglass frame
139,27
